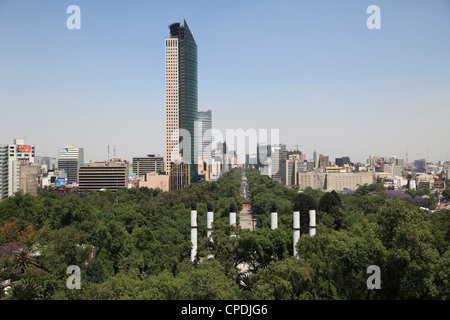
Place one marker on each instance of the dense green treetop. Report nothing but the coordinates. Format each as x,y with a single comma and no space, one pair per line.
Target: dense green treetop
135,244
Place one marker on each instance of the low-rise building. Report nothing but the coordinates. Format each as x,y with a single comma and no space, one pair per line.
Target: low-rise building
144,165
311,179
393,170
423,184
334,181
342,181
438,185
155,180
111,175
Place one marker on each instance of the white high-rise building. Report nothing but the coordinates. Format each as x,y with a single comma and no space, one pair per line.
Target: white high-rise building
3,171
69,160
18,153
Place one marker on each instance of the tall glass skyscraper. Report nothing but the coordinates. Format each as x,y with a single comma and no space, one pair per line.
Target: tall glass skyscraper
204,135
181,94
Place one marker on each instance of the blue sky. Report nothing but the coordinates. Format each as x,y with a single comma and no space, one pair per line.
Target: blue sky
309,68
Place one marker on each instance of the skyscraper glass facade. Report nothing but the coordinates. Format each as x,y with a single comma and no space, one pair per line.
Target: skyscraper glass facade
183,100
203,134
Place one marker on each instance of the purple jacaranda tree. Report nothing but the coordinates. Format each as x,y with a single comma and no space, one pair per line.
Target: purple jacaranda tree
401,194
350,191
11,249
421,201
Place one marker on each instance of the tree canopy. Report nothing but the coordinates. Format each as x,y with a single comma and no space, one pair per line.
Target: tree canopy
135,244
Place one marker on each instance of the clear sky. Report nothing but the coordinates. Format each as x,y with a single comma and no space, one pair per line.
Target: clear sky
311,69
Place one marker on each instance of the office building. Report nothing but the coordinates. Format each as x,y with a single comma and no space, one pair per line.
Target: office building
111,175
290,172
333,181
215,168
264,154
143,165
203,172
293,165
447,170
275,168
310,165
268,160
420,165
3,171
203,135
424,184
225,159
18,153
396,161
341,161
311,179
181,95
342,181
438,185
372,161
48,163
283,156
154,180
323,161
179,176
394,170
29,177
69,160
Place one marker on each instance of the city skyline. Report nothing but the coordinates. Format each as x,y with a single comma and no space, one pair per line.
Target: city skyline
314,72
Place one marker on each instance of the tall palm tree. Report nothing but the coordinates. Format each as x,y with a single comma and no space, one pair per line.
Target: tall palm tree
27,289
24,262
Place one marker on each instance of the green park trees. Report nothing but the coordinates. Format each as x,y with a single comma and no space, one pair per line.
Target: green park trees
136,245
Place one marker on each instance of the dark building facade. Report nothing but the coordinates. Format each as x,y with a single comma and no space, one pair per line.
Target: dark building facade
323,161
109,175
341,161
70,166
420,165
149,164
179,176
